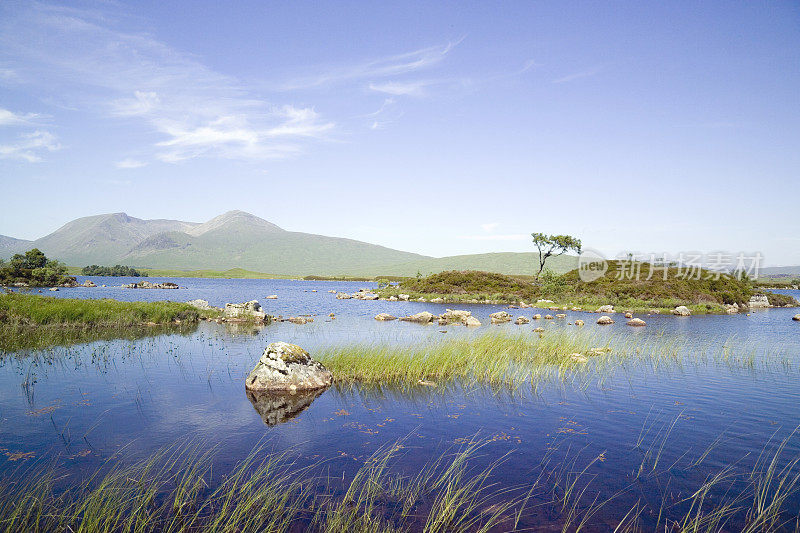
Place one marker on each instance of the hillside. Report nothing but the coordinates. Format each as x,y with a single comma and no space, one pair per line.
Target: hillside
511,263
239,240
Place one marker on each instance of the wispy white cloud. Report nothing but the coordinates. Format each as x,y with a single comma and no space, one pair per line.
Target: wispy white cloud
401,88
393,65
130,163
9,118
194,110
578,75
29,146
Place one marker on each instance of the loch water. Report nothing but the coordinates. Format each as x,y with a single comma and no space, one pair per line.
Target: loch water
77,406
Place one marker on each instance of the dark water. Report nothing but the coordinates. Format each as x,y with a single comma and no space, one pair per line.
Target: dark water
81,405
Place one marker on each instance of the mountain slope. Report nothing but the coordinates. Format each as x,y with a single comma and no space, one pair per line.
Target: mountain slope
513,263
10,246
240,240
102,239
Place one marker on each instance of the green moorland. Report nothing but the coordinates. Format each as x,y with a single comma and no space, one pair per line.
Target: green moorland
703,294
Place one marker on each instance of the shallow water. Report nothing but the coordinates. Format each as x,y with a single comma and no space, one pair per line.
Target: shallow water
80,405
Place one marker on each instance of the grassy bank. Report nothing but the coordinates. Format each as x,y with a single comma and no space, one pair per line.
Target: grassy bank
34,310
647,292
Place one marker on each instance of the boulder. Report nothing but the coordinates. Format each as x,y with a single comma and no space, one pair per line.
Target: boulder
383,317
681,310
471,321
332,291
561,315
342,296
523,305
637,322
437,301
200,304
544,301
89,283
579,322
393,298
244,311
758,301
537,316
500,317
605,320
272,297
732,309
454,316
521,320
628,315
299,320
548,317
420,318
285,367
421,299
538,330
53,289
403,297
605,309
796,317
366,296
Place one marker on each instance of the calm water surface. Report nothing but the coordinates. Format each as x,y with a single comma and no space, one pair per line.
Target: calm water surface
82,404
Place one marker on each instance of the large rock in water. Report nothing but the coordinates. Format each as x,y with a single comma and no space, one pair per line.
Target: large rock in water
251,309
285,367
681,310
421,318
758,301
796,317
500,317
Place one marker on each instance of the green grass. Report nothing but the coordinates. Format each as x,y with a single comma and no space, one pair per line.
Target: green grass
21,310
172,492
176,490
706,295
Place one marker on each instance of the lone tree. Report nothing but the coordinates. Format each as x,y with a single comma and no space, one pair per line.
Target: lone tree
553,246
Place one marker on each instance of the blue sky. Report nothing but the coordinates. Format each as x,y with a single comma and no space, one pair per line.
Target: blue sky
438,128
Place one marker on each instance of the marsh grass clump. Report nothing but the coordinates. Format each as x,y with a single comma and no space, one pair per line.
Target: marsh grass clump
35,310
175,491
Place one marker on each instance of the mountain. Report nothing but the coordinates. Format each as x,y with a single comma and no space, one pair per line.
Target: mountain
785,271
102,239
10,246
240,240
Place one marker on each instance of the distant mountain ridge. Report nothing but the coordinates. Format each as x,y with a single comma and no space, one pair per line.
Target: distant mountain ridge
237,239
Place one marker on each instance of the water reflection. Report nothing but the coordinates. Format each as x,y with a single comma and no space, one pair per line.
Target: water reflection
276,408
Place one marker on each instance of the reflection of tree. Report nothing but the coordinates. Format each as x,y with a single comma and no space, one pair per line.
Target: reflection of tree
277,408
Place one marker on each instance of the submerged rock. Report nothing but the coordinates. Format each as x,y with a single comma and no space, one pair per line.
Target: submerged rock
384,317
287,367
277,408
89,283
521,320
681,310
421,318
579,322
272,297
500,317
149,285
538,330
637,322
605,320
299,320
561,315
578,357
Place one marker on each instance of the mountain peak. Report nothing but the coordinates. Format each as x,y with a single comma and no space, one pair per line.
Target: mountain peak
234,218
